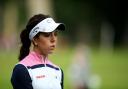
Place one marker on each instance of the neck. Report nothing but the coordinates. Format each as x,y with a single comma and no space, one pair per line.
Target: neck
35,49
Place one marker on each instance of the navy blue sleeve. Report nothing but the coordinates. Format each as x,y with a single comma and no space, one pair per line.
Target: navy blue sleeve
20,78
62,79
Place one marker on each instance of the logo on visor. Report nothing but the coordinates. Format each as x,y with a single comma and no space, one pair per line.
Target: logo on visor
49,20
35,30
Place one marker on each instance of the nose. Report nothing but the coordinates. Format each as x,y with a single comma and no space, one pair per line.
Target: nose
53,37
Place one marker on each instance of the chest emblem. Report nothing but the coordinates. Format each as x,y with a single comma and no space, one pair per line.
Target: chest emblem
40,76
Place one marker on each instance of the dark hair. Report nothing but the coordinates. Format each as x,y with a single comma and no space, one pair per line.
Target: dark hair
24,36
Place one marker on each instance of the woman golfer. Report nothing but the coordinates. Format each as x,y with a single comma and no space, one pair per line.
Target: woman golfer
35,70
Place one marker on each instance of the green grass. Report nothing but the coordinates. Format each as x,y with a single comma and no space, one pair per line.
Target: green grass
111,67
7,62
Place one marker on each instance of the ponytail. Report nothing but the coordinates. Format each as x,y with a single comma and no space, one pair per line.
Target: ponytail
26,43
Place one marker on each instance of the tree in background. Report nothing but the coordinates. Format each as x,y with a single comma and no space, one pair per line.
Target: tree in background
87,17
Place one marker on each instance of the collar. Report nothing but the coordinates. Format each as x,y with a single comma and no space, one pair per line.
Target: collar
39,57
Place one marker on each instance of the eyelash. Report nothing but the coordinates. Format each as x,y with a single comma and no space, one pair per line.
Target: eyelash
48,34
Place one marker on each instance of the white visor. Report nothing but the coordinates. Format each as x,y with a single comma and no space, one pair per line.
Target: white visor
46,25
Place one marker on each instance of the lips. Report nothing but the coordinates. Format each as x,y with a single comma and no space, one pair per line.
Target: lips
52,47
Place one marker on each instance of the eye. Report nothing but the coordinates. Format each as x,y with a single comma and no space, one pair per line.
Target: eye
55,33
46,34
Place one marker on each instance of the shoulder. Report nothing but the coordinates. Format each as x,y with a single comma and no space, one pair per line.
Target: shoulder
19,69
54,66
27,61
20,72
51,64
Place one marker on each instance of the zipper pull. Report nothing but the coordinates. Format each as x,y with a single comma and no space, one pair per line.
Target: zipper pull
45,62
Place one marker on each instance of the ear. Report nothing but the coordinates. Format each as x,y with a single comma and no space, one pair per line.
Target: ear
34,41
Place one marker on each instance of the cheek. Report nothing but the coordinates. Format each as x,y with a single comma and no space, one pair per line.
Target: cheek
43,44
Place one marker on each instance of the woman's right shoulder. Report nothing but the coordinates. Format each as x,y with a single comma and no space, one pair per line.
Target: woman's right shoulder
19,67
19,71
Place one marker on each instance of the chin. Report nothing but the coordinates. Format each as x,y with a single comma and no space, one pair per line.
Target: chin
50,52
